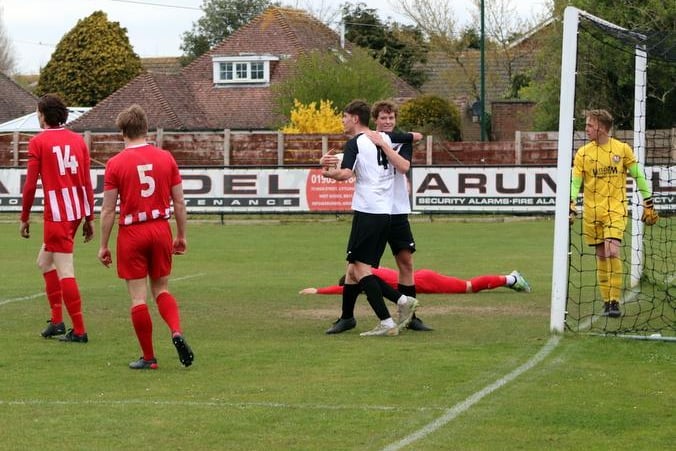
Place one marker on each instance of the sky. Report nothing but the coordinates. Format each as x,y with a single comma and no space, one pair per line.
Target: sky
155,27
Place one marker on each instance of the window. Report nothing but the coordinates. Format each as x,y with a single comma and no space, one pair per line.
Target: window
242,70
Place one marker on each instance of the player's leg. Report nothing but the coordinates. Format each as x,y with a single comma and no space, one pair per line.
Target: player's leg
55,325
59,240
350,294
159,271
142,323
402,244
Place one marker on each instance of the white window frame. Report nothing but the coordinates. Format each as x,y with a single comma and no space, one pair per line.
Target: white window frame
241,68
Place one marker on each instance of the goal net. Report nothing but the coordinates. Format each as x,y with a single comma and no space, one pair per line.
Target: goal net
632,75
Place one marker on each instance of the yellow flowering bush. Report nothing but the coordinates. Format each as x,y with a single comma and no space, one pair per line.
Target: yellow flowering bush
310,119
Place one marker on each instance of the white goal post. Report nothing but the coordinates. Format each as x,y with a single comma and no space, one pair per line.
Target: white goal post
560,267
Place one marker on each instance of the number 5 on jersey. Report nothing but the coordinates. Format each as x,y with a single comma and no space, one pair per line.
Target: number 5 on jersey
146,179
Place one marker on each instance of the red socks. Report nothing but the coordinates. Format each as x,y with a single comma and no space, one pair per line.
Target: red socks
168,308
143,326
71,298
53,291
487,282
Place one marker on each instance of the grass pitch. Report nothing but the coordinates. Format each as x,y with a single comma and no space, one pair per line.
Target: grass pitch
266,376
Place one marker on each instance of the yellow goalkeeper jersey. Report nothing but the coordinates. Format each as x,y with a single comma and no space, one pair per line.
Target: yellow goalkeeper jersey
604,171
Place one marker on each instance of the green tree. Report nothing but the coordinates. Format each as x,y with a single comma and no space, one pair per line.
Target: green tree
92,60
400,48
337,77
431,115
221,18
606,77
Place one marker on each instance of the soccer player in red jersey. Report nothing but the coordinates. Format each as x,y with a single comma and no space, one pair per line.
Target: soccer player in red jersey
60,158
432,282
146,180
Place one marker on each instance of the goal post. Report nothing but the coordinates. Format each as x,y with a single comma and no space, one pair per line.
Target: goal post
648,253
571,18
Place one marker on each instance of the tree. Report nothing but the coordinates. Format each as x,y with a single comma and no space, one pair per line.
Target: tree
613,85
221,18
337,77
92,60
7,62
398,47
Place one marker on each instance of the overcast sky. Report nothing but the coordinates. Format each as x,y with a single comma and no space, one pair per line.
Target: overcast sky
154,27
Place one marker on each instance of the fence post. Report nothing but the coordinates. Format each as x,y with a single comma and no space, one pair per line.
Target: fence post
226,147
159,137
325,144
428,150
15,147
517,147
280,149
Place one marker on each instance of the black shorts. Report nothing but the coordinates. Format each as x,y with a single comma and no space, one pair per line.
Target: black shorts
368,238
400,236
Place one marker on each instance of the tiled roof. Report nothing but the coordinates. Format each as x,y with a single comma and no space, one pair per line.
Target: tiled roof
15,101
458,79
190,101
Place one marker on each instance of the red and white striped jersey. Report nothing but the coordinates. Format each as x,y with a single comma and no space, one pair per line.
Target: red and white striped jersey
143,177
60,159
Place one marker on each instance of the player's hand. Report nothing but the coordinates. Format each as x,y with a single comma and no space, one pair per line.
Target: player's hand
179,246
572,212
375,137
308,291
88,231
649,216
25,229
329,161
105,257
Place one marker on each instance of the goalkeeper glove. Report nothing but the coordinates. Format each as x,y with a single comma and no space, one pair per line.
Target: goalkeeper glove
649,216
572,213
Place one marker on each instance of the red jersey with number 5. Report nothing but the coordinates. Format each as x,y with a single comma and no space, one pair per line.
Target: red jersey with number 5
60,158
143,177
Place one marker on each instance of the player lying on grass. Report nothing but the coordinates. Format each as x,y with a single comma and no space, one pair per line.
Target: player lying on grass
432,282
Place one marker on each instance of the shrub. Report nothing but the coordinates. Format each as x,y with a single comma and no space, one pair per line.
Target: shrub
431,115
310,119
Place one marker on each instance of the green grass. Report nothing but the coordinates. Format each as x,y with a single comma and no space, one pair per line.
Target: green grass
267,377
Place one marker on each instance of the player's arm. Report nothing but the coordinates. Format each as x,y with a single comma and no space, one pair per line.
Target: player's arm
649,215
107,222
333,166
335,289
28,195
181,215
88,226
400,163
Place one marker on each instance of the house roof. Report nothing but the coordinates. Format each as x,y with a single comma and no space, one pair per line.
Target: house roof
190,101
457,77
15,101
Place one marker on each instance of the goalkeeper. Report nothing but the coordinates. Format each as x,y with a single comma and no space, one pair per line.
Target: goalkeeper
601,167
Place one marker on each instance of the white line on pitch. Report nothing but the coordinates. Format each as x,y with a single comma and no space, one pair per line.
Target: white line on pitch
476,397
37,295
22,298
217,404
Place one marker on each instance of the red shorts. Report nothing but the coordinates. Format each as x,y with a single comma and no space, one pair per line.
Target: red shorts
144,249
59,236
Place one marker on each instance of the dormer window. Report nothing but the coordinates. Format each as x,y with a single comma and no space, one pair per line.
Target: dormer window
247,69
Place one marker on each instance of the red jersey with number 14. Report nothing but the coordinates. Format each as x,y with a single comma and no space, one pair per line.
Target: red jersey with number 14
60,158
143,177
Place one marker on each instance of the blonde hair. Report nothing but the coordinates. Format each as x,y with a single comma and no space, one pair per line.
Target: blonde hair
603,117
132,122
